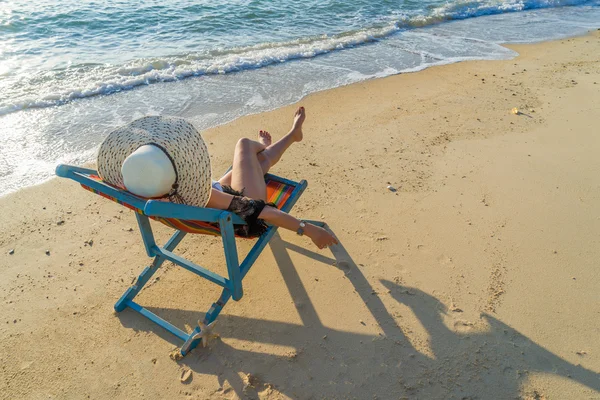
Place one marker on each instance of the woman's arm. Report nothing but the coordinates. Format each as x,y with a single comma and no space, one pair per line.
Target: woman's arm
320,237
272,215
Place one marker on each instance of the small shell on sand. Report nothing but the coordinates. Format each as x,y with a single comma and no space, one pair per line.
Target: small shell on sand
391,188
175,355
11,252
250,381
185,375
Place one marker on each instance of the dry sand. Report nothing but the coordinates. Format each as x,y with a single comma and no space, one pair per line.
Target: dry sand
477,279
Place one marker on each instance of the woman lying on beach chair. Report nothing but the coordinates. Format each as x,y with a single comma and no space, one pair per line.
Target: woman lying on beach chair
159,167
243,191
166,158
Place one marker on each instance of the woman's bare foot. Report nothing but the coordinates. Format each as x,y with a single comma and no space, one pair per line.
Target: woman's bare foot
299,117
265,138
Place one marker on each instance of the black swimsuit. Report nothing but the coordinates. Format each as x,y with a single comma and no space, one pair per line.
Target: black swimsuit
248,209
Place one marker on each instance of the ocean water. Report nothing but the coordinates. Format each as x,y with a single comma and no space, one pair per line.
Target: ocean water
71,71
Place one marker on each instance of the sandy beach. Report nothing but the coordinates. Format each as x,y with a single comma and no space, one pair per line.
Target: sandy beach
476,279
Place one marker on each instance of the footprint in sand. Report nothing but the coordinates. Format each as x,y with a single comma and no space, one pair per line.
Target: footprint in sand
445,260
463,326
343,265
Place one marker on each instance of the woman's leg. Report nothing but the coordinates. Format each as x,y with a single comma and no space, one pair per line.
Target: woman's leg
251,161
219,200
269,156
272,154
246,173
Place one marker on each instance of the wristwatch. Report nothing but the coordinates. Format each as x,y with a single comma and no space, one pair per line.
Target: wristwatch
300,230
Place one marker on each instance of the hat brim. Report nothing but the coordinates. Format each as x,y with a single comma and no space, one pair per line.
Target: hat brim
183,143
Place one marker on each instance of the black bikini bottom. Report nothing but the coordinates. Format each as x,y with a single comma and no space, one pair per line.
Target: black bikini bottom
249,210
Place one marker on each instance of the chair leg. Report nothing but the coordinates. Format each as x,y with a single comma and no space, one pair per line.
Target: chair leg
147,273
212,314
231,257
142,279
216,307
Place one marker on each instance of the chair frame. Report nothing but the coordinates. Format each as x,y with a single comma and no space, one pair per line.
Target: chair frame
232,285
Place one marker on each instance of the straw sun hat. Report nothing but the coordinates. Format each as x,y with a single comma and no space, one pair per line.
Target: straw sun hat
158,157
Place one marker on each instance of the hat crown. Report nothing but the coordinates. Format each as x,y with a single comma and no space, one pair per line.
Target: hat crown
148,172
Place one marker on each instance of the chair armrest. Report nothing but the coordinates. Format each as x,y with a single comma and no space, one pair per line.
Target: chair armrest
81,175
164,209
66,171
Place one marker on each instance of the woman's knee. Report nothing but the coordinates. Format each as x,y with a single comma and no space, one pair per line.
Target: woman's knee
243,142
248,145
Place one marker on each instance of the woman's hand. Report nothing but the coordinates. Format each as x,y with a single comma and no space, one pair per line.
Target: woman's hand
320,237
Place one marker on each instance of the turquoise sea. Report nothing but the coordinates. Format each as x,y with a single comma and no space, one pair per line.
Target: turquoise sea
71,71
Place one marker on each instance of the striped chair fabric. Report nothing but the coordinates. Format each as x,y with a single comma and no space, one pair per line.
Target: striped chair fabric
277,193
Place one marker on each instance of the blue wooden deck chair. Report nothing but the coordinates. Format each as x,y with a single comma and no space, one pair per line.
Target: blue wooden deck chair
187,219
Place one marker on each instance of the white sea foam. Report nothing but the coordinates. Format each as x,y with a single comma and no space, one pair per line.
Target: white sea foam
111,79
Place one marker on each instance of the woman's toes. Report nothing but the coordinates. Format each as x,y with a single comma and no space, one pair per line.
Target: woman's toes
264,137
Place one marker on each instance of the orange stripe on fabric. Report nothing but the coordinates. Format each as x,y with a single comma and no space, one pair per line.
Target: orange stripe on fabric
278,193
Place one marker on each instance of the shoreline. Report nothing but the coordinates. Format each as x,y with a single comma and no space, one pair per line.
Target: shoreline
466,282
406,71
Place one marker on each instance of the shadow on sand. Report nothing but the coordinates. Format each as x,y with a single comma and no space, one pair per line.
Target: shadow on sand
467,363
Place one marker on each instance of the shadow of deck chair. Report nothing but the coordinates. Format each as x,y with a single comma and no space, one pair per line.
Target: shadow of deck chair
187,219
